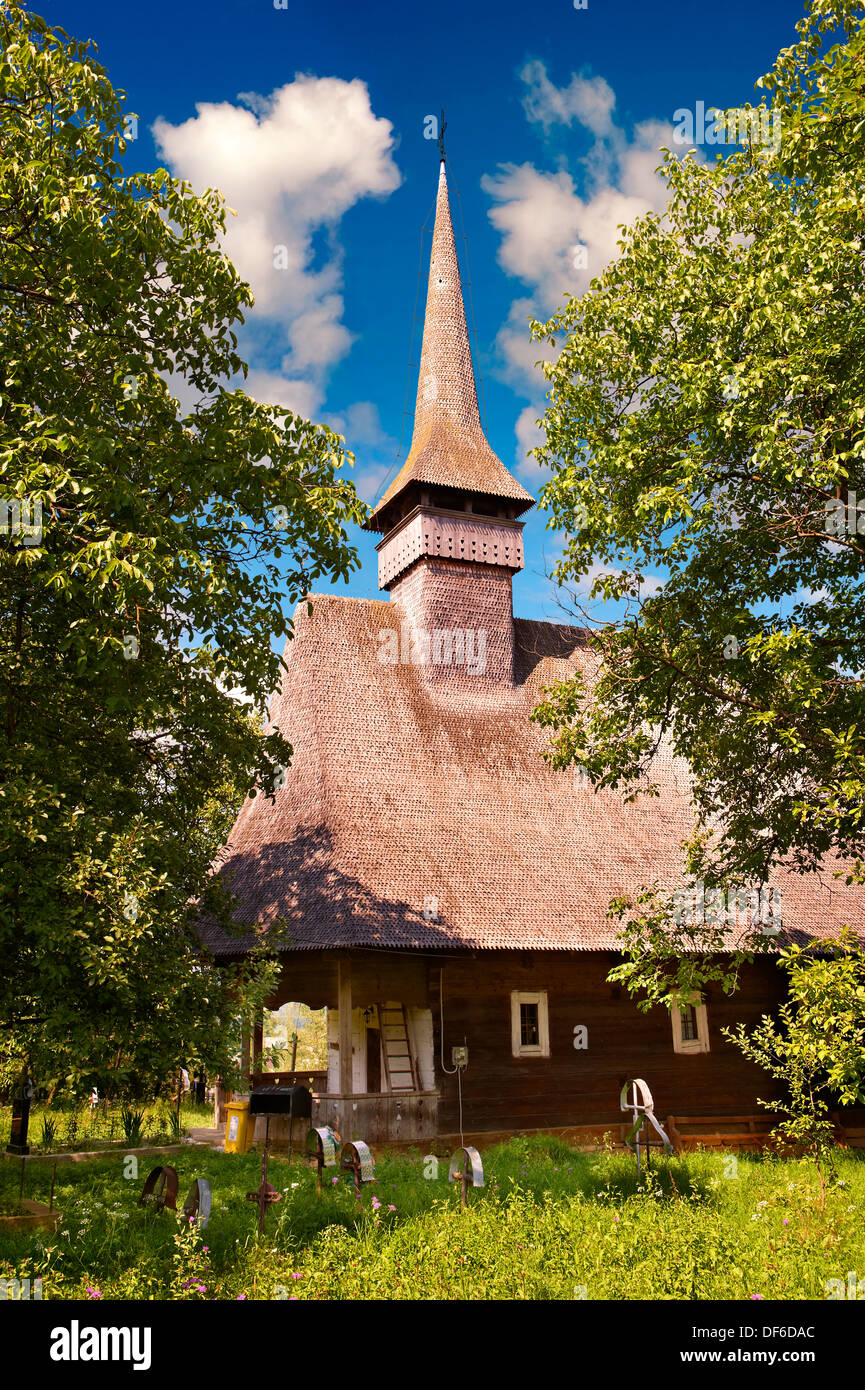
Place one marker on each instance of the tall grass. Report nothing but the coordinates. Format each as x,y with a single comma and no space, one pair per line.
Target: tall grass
550,1223
74,1125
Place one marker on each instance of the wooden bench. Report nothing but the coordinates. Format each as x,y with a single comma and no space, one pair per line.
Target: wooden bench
721,1131
745,1131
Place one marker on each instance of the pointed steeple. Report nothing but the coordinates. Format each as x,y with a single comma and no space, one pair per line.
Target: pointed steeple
449,451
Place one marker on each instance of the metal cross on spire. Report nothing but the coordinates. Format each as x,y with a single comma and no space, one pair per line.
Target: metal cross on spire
443,125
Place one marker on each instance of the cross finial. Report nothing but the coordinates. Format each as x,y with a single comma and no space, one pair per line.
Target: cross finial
443,125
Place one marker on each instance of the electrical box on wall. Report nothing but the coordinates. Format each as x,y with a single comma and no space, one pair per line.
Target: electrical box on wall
460,1056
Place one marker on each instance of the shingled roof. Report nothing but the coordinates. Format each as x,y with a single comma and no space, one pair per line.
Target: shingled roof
404,790
449,447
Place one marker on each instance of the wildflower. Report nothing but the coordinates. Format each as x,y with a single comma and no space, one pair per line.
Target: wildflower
376,1203
390,1208
239,1297
296,1274
786,1222
756,1295
334,1181
93,1293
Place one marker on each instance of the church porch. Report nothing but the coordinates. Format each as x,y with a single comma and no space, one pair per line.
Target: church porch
379,1084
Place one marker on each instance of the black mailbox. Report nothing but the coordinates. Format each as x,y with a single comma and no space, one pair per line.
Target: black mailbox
294,1101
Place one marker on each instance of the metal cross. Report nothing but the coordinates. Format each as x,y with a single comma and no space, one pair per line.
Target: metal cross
266,1193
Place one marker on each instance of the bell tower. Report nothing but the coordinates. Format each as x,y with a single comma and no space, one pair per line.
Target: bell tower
451,539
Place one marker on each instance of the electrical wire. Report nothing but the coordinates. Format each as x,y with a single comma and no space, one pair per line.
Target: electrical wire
450,1070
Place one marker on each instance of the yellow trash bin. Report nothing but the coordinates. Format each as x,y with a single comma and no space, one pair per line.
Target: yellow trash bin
239,1127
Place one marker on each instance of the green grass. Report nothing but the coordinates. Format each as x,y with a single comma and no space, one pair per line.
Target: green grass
551,1223
72,1128
11,1206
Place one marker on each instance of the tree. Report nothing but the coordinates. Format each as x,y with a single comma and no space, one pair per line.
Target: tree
816,1046
145,598
707,419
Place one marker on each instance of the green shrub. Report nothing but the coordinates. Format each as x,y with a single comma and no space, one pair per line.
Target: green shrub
133,1126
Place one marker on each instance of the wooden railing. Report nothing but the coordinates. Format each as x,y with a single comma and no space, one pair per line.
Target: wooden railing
315,1080
395,1116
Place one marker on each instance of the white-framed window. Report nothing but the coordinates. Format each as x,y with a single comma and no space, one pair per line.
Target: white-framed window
690,1025
530,1024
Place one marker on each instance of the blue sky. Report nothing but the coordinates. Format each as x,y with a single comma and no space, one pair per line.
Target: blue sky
311,120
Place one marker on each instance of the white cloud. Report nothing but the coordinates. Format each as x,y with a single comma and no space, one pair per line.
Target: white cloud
272,388
374,449
587,100
555,239
529,436
290,165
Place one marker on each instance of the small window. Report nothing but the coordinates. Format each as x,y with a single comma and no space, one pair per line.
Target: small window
690,1026
530,1028
689,1023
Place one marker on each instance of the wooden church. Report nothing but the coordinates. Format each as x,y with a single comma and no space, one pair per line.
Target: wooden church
436,885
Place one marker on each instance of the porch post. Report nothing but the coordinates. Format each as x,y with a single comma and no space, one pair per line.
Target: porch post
258,1038
346,1087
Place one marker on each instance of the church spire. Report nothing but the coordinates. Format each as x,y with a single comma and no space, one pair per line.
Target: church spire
449,450
446,392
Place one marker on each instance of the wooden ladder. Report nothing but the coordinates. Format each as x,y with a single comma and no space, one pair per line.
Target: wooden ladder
400,1068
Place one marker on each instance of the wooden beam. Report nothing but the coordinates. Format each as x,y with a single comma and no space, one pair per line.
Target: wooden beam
258,1041
346,1085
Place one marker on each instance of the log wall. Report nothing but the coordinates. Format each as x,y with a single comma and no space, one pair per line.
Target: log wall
570,1087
